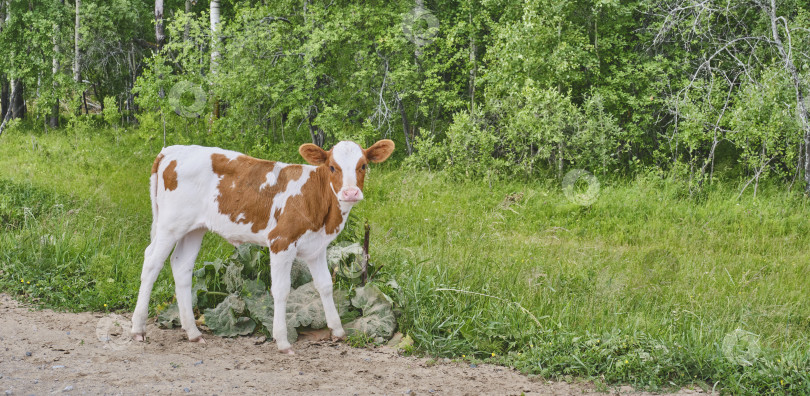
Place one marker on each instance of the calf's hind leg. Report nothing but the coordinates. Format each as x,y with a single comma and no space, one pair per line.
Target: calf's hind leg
185,253
154,257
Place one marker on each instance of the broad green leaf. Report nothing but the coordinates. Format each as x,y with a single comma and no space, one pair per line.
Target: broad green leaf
304,307
210,268
251,257
224,320
198,291
170,317
259,302
233,277
299,273
378,318
342,303
343,251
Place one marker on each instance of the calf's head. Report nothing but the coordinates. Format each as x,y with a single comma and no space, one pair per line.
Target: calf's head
346,164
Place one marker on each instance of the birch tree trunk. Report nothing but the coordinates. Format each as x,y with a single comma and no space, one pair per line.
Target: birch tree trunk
5,89
186,30
214,35
473,67
16,102
54,121
77,56
215,47
160,37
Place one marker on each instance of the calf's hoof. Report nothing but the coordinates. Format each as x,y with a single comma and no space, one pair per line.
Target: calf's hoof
198,340
139,337
338,335
287,351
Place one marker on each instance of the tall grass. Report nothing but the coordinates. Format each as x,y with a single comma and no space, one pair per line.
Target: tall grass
646,286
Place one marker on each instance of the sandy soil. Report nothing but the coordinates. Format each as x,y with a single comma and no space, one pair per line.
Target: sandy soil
46,352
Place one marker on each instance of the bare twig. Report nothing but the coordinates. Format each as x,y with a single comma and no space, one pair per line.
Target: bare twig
364,262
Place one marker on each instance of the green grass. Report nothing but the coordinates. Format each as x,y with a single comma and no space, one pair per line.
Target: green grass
644,286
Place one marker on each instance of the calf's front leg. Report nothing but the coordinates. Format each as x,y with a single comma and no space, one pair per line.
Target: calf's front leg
323,283
280,265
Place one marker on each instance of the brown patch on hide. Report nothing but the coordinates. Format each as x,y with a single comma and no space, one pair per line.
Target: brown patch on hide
335,174
242,196
316,207
360,171
156,164
170,176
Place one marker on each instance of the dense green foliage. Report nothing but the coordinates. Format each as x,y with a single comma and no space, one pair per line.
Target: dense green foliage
646,286
485,88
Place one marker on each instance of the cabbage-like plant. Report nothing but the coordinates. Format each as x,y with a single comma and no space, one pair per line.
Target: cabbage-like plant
234,296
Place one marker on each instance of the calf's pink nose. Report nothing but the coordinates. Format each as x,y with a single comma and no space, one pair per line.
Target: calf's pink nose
351,194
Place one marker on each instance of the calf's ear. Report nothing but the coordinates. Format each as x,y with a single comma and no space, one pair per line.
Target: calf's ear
380,151
313,154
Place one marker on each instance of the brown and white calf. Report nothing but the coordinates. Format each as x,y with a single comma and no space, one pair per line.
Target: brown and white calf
296,210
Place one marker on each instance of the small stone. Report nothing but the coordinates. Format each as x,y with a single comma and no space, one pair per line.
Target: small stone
367,359
198,363
408,392
57,367
300,373
432,390
187,390
68,388
28,354
473,365
68,333
8,392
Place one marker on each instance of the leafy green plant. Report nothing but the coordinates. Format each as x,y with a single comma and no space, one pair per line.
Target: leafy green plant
234,296
378,315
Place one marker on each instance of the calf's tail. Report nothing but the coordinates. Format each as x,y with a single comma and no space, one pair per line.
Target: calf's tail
153,190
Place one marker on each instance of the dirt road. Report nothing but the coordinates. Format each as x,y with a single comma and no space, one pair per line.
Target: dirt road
45,352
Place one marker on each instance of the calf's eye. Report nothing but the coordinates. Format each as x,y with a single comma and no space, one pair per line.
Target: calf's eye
332,168
364,167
